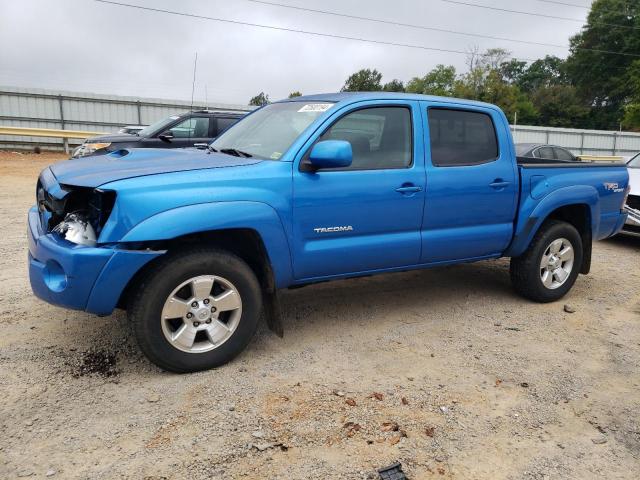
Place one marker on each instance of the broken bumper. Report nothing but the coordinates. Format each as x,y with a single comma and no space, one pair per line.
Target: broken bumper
79,277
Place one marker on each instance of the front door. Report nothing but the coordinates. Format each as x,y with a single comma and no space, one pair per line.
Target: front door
185,133
367,216
472,185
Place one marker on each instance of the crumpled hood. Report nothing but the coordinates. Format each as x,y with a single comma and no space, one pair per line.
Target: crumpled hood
634,181
97,170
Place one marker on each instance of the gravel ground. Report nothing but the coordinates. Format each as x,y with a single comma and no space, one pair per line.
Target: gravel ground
445,370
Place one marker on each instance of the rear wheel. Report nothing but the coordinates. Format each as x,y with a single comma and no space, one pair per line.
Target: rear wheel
549,267
196,310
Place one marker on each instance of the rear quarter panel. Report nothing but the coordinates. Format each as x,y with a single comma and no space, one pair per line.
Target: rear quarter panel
545,189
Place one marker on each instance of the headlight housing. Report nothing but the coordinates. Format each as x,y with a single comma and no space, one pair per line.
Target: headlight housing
80,216
90,148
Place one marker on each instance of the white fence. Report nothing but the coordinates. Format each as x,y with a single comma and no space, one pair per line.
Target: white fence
35,108
581,142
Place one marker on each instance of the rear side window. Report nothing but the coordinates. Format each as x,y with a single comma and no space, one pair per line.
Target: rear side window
224,123
460,137
562,154
546,153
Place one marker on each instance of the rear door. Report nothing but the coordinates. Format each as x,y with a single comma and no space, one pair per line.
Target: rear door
472,183
367,216
189,131
222,123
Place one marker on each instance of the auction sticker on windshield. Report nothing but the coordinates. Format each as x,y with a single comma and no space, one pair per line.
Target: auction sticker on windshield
316,107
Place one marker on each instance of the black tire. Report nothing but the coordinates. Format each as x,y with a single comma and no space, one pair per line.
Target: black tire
526,272
148,299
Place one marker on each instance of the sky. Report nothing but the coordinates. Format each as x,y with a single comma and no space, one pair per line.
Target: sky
87,46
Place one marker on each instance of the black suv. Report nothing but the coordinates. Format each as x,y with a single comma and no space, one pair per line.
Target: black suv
176,131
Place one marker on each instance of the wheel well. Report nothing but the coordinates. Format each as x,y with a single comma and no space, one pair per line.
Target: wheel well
578,215
246,243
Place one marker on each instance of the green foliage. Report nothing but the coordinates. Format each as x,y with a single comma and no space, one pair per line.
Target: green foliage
364,80
597,86
512,71
439,81
632,109
602,78
546,72
259,100
295,94
560,106
394,86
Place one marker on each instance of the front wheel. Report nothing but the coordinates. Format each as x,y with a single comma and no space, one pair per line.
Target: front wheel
547,270
196,310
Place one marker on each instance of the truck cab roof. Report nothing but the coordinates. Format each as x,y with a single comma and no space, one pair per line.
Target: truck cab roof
366,96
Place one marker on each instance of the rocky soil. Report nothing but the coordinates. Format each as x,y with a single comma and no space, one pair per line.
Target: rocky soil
445,370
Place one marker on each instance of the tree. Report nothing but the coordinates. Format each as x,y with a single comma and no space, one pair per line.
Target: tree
632,109
295,94
493,58
259,100
545,72
560,106
600,76
439,81
393,86
513,70
364,80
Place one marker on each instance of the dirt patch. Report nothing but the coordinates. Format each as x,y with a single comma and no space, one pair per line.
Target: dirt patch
98,362
446,370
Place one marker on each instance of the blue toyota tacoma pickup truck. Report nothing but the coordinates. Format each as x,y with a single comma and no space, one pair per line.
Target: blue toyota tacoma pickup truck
196,244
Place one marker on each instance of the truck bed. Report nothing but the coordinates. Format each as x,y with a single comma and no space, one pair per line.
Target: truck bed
531,162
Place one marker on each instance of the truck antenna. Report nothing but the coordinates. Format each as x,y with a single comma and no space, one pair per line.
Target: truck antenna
193,87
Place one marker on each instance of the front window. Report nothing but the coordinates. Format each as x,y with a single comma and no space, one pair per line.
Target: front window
269,132
380,137
159,125
196,127
634,162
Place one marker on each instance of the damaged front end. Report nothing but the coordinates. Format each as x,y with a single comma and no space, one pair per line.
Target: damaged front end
77,214
68,266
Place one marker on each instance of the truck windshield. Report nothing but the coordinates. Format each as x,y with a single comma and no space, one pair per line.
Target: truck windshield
634,162
269,132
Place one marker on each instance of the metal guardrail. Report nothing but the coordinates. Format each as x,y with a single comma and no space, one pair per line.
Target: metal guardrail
600,158
73,111
46,132
49,133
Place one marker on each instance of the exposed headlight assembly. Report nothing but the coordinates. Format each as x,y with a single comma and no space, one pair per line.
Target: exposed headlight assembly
80,216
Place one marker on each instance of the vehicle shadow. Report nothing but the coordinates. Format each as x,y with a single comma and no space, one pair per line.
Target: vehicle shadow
625,241
405,294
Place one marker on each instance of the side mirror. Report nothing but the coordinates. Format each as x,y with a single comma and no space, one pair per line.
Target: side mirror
166,136
329,154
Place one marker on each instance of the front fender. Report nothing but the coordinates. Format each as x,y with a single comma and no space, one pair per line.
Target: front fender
205,217
533,213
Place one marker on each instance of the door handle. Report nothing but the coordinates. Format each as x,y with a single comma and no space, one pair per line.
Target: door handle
409,189
499,183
